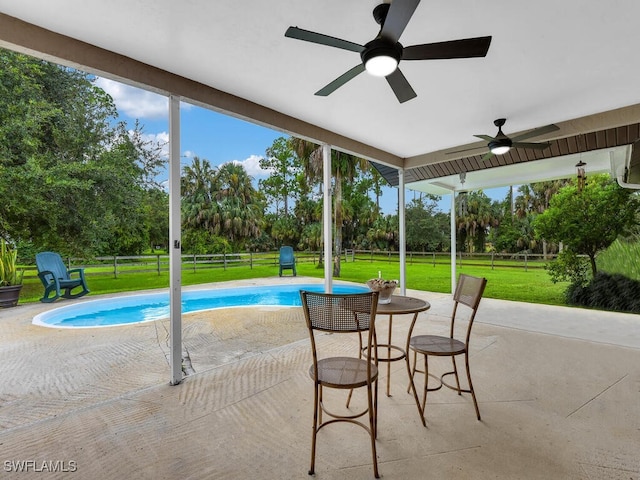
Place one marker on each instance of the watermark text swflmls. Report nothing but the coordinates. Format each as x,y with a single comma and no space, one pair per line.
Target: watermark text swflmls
52,466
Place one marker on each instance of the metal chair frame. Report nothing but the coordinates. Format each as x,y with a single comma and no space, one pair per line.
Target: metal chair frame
343,313
468,292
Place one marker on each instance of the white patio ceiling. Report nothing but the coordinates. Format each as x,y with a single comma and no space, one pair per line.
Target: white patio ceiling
549,62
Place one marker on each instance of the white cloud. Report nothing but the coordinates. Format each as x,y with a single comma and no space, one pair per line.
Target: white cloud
252,166
188,154
135,102
162,137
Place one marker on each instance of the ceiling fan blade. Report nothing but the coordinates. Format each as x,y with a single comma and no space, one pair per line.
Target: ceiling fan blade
465,48
536,132
320,38
537,146
400,12
467,150
487,156
341,80
400,86
485,137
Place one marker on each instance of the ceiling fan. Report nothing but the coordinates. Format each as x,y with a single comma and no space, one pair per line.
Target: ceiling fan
381,56
501,144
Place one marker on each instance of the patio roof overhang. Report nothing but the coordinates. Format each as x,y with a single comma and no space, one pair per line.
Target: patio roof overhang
604,151
565,64
568,65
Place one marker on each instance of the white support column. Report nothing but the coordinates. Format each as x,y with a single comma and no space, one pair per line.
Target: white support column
403,233
175,251
453,241
326,217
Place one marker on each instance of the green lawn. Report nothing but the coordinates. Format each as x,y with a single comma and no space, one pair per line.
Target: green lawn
504,283
516,284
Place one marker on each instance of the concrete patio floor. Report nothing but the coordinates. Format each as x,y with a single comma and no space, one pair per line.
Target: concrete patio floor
558,390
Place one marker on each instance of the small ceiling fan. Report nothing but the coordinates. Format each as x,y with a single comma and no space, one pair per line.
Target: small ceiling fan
381,56
501,144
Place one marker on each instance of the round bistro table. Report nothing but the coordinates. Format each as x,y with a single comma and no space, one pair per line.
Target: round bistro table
399,305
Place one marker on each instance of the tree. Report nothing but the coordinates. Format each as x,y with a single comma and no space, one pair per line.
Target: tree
373,181
222,202
285,230
525,201
359,210
281,162
200,212
344,167
150,157
241,208
589,220
515,236
543,192
72,179
156,207
425,230
476,215
308,214
383,234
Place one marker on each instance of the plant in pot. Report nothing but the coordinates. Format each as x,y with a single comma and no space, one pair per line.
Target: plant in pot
10,276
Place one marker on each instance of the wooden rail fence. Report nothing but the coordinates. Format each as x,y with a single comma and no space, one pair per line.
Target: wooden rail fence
159,263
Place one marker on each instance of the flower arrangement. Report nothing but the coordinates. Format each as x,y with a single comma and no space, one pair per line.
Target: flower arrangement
385,288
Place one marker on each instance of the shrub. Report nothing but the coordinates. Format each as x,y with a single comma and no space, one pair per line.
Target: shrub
569,267
607,292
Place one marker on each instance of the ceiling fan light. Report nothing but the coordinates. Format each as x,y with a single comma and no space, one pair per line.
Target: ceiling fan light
501,144
381,66
381,58
500,149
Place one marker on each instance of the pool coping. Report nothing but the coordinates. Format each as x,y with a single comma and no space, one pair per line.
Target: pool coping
160,301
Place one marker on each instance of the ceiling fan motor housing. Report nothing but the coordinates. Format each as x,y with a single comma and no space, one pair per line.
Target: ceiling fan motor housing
380,47
500,143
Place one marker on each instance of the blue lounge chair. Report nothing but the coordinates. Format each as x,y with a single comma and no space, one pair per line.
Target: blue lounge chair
55,277
287,260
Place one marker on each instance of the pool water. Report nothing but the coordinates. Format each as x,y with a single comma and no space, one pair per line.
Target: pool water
155,306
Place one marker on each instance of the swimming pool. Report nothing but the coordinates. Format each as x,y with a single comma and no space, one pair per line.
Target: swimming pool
125,310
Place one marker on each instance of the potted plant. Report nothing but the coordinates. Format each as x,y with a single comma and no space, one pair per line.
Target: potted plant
10,277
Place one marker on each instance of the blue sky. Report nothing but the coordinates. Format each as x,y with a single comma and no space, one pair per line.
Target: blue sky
213,136
203,133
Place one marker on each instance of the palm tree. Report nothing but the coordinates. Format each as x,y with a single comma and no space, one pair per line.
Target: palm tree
524,202
474,219
543,192
534,199
377,182
240,214
384,233
198,185
344,167
196,178
222,202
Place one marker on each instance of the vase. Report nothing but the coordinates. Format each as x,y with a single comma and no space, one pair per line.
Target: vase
385,289
9,295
